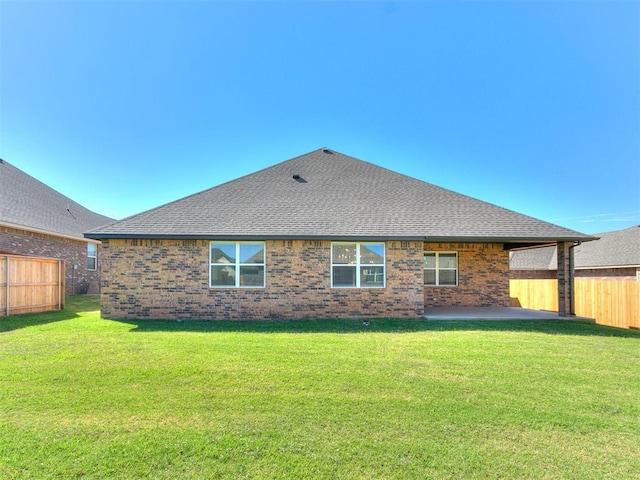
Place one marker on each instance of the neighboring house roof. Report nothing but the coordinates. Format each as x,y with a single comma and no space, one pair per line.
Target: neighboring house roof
620,248
543,258
325,194
28,203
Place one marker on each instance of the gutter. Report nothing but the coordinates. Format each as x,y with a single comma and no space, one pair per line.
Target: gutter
542,241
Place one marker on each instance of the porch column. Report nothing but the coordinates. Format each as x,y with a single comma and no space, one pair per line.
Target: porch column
565,279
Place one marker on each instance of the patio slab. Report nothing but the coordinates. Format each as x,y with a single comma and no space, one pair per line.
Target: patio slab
494,313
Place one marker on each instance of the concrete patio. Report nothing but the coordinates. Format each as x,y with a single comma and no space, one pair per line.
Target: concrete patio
494,313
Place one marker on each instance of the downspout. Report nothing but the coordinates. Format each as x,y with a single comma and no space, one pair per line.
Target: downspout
572,297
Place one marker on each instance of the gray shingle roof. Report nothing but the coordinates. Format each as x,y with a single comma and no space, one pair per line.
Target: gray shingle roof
27,202
544,258
335,197
620,248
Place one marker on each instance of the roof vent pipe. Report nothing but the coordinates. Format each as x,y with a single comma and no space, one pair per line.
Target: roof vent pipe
326,150
296,176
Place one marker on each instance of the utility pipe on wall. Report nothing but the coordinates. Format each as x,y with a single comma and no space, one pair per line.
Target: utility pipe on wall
572,279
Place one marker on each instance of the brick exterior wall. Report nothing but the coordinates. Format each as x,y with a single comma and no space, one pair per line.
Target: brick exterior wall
169,279
73,252
565,283
483,276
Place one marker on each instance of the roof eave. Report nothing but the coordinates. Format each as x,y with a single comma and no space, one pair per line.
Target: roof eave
602,267
533,241
515,242
363,238
79,238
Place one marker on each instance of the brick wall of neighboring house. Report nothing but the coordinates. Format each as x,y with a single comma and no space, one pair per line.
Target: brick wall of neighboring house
623,273
533,274
169,279
73,252
483,276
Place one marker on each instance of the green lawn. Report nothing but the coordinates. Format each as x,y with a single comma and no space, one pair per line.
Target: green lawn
83,397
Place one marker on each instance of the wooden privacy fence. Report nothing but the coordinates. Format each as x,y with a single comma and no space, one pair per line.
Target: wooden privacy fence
611,302
30,284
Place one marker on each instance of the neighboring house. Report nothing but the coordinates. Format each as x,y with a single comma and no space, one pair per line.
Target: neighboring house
321,235
615,255
36,220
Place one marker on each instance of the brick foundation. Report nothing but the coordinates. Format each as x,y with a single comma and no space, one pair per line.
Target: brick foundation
169,279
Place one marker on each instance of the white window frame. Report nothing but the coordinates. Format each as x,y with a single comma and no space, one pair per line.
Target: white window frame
95,257
358,266
438,269
237,265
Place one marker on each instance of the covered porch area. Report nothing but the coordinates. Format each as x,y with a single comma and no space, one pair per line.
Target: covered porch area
564,275
482,277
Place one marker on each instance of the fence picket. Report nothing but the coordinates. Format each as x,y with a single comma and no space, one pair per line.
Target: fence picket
30,284
610,302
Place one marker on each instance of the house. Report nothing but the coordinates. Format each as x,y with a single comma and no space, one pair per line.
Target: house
36,220
615,255
321,235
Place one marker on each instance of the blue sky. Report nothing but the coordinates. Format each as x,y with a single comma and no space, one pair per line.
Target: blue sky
126,105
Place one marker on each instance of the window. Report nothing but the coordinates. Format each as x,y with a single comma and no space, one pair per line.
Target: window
357,265
237,264
441,268
92,256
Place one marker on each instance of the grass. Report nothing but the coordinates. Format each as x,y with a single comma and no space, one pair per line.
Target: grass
84,397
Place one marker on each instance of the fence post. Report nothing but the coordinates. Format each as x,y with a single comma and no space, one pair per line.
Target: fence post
8,260
59,285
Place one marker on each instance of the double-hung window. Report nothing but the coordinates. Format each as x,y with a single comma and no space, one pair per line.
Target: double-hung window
441,268
237,264
357,265
92,256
